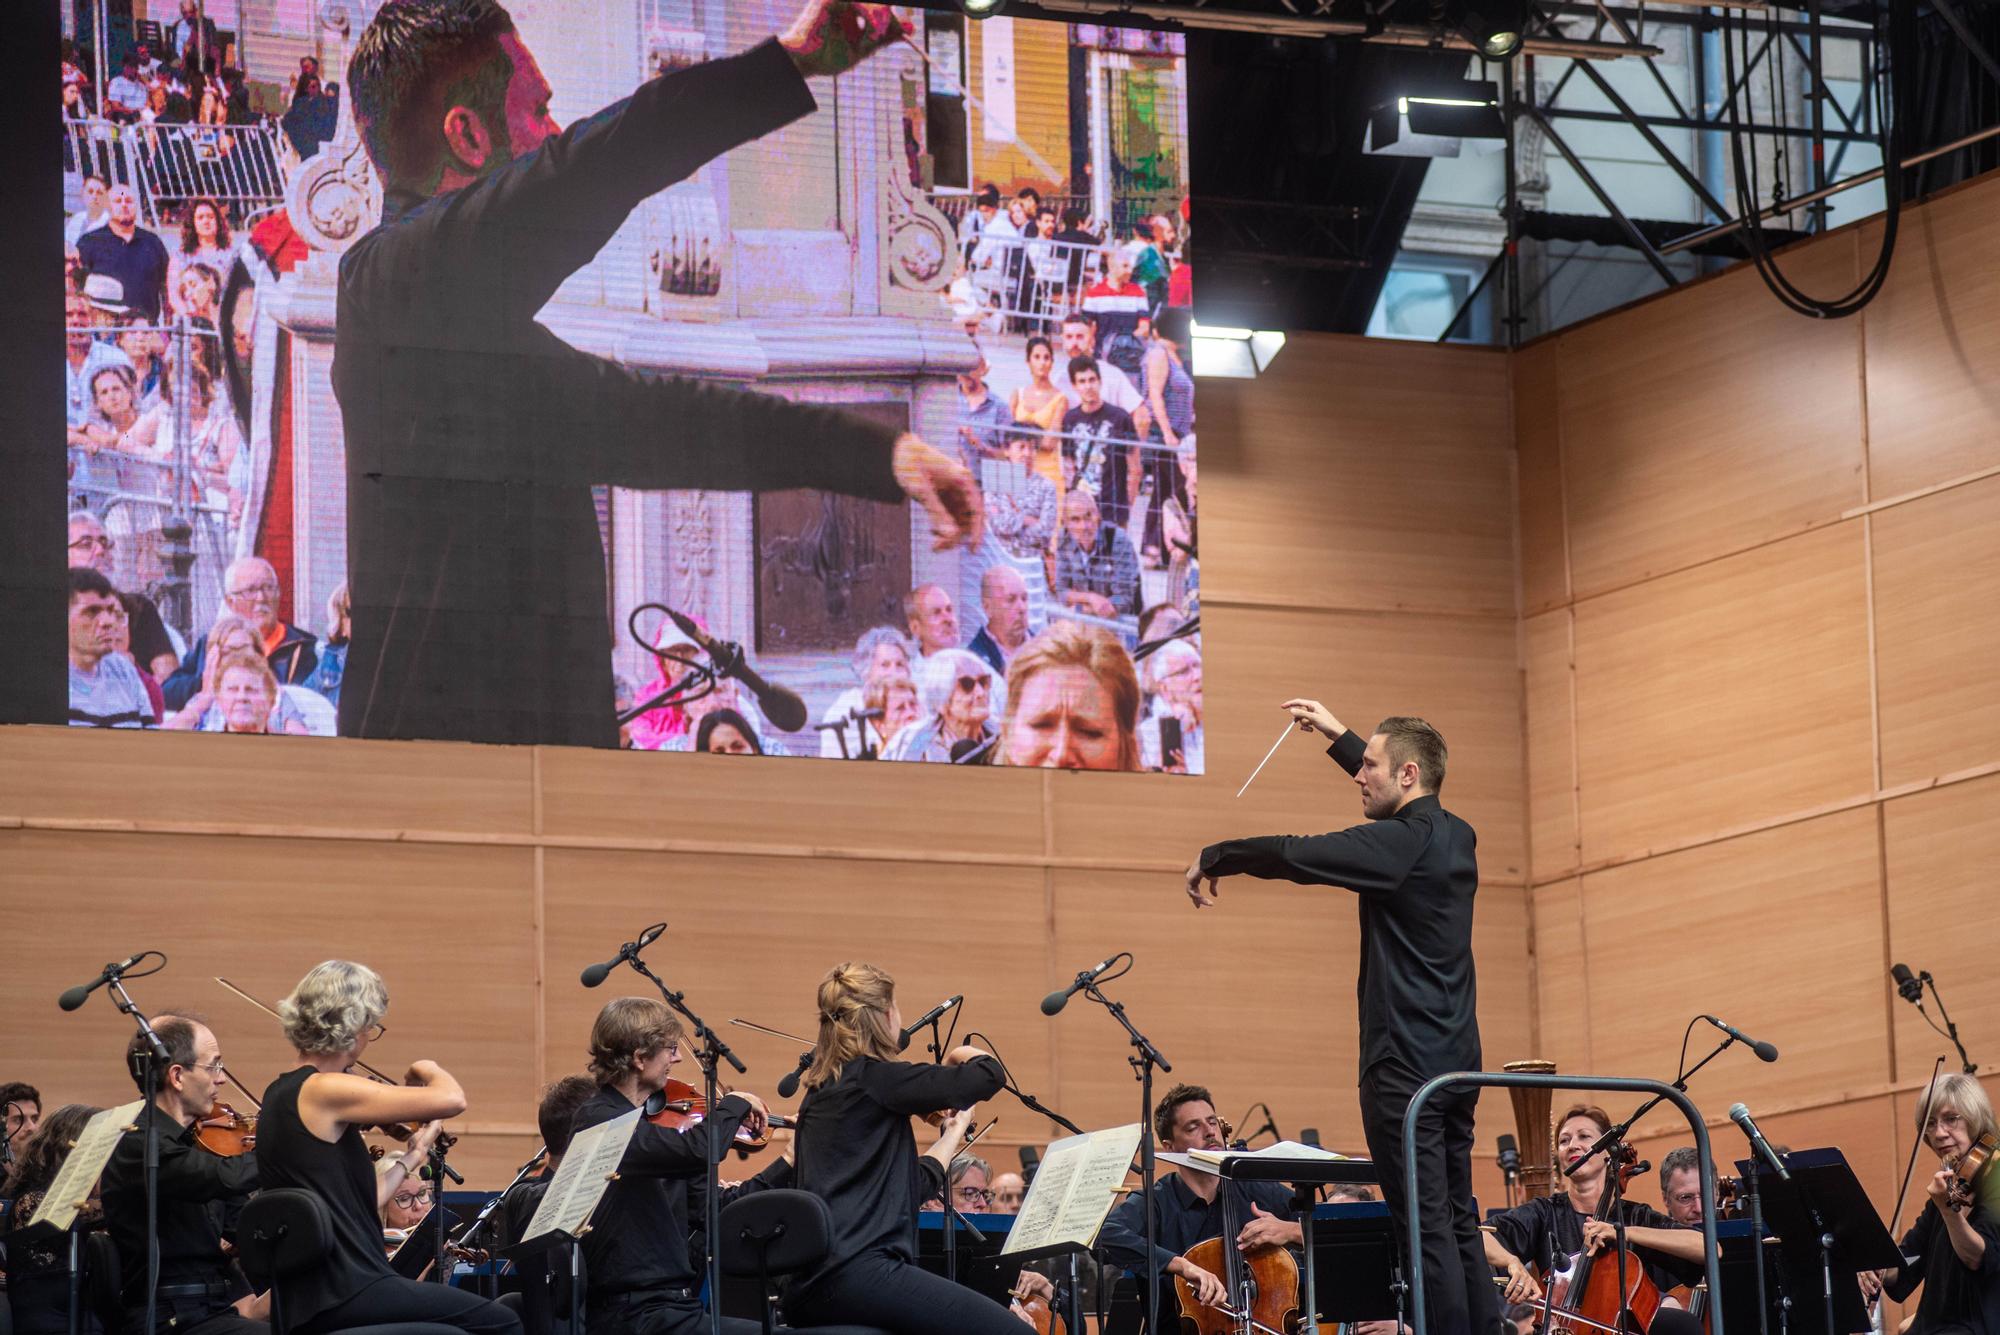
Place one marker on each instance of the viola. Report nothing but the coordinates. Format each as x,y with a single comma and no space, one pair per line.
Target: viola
679,1106
1263,1283
224,1131
1966,1170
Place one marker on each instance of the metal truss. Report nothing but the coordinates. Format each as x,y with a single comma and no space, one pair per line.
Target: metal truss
1294,236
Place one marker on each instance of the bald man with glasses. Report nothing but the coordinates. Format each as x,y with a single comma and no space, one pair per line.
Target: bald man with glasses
250,589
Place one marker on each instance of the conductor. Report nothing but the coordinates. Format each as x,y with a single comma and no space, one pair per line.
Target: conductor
1412,867
475,436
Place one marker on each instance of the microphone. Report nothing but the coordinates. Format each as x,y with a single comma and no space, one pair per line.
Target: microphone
788,1084
781,704
1740,1115
1055,1001
926,1018
595,974
1510,1157
1031,1159
1908,984
73,998
1765,1052
1309,1136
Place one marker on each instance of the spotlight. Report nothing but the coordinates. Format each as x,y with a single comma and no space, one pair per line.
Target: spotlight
1433,117
982,9
1492,27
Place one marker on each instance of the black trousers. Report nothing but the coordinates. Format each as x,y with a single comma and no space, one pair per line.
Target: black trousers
223,1323
395,1299
878,1290
658,1313
1459,1294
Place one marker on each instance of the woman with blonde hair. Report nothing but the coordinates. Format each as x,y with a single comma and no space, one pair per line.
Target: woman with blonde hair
1072,702
856,1152
309,1137
1956,1243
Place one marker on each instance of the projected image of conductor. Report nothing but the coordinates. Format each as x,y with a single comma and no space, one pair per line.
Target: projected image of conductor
474,435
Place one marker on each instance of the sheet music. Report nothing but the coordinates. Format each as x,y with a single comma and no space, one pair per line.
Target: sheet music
1284,1149
1073,1189
594,1154
79,1172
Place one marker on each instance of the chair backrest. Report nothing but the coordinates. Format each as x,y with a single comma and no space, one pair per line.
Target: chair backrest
774,1233
282,1231
103,1280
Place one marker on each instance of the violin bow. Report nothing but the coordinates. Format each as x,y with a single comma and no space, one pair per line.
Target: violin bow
281,1019
775,1033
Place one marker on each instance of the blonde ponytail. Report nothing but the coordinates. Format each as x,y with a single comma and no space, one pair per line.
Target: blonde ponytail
854,1002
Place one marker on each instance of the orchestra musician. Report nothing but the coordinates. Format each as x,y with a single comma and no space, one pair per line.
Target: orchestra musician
643,1271
309,1137
1955,1243
1191,1206
201,1291
1574,1221
856,1151
554,1118
1412,868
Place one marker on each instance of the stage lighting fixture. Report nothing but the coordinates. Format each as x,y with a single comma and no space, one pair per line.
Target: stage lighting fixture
1433,117
1493,27
981,9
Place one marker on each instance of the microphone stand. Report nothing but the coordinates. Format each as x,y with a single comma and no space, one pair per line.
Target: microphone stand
1616,1135
440,1271
153,1058
1074,1300
492,1207
1145,1057
712,1051
1950,1030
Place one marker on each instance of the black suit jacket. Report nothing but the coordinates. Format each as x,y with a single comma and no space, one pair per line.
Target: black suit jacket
1416,874
474,435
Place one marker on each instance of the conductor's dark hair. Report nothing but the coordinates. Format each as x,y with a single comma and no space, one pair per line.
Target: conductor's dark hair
1163,1113
1413,739
417,60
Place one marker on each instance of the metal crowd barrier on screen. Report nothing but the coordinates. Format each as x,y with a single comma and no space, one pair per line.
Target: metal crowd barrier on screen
1523,1080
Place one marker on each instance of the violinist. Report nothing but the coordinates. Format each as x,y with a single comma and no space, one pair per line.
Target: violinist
1579,1221
643,1272
857,1152
554,1117
1956,1240
1191,1206
309,1137
408,1202
201,1291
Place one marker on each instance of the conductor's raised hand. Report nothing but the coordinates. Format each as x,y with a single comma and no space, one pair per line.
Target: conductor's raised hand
832,36
944,487
1195,877
1312,714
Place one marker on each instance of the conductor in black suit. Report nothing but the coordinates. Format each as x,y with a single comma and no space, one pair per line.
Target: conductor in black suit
474,435
1412,867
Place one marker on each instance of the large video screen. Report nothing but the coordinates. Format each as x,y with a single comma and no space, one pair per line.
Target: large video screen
769,377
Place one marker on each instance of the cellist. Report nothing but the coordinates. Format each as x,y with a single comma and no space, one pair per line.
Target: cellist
1191,1206
1577,1221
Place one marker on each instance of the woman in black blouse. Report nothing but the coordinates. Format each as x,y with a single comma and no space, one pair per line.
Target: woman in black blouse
1957,1247
309,1136
1560,1226
856,1151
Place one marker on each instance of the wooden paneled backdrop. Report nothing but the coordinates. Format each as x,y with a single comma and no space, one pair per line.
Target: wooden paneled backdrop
1703,595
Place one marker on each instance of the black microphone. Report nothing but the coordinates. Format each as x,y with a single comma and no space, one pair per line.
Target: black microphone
595,974
1055,1001
1510,1157
1908,984
781,704
1031,1159
1309,1135
73,998
788,1084
1764,1051
932,1014
1740,1115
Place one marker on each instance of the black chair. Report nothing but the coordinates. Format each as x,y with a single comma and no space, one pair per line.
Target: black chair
284,1232
767,1235
103,1281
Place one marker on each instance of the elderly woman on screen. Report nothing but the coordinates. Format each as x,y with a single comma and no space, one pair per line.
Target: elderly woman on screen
881,652
220,705
955,693
1073,702
1173,674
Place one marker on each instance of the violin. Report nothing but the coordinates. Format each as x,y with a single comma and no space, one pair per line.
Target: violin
1585,1296
1263,1284
679,1106
1966,1170
224,1131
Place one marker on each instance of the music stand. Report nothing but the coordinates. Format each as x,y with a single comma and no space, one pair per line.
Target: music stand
1356,1243
1306,1177
1825,1223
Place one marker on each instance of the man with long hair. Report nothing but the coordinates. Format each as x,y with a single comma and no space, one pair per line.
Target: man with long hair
474,435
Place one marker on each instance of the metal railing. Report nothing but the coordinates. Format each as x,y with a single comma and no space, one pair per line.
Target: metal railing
241,166
1029,284
1529,1080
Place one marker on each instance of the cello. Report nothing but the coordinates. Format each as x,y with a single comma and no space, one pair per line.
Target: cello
1263,1285
1586,1295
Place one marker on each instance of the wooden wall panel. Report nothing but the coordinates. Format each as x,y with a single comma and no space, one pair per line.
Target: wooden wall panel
1861,1128
1563,1012
1729,693
1549,683
1933,339
1937,631
1362,475
1941,850
1538,447
1708,422
1796,908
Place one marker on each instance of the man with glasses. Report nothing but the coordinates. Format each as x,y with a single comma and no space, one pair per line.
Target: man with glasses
91,548
970,1189
250,590
201,1292
1680,1186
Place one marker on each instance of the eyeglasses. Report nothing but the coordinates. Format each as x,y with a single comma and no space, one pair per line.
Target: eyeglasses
967,683
213,1068
374,1032
973,1195
268,589
91,540
406,1202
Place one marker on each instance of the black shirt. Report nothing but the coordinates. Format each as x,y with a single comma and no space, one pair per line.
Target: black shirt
474,435
1416,875
192,1181
340,1174
1181,1218
1528,1229
1953,1291
856,1150
638,1239
139,265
